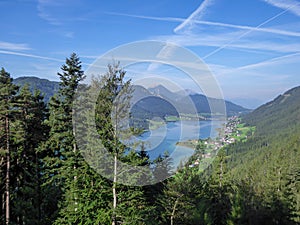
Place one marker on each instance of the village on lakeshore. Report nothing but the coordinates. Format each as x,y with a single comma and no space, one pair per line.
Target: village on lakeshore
205,150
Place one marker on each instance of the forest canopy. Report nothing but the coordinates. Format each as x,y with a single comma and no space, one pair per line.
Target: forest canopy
46,180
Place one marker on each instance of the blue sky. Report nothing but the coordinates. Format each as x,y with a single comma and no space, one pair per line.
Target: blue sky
251,46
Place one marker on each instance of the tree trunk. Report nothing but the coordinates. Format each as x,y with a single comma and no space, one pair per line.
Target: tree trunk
75,176
38,188
114,218
7,180
3,206
221,173
173,211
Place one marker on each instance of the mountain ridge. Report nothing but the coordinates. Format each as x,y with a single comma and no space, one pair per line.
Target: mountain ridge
284,110
269,160
48,88
201,102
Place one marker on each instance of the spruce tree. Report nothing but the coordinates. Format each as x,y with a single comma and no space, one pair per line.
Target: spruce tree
28,131
7,99
62,155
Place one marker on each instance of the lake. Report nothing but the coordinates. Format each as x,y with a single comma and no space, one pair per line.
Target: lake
165,138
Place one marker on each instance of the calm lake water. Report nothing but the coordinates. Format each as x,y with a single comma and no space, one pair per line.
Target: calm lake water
165,138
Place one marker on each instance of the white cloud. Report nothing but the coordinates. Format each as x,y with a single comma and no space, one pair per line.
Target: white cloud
258,69
188,24
164,54
69,34
230,41
29,55
189,37
264,79
272,41
244,34
43,11
13,46
167,19
231,38
292,6
290,58
60,12
250,28
217,24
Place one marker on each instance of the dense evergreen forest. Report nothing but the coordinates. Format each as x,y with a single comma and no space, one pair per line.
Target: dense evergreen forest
45,179
48,88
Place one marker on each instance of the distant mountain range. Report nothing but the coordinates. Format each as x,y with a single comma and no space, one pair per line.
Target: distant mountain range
249,102
47,87
152,102
189,102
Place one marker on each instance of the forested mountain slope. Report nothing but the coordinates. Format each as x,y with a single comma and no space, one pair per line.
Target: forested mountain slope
45,179
277,115
255,182
269,162
48,88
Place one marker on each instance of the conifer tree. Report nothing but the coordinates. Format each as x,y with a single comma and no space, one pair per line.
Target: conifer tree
7,99
28,131
181,197
62,155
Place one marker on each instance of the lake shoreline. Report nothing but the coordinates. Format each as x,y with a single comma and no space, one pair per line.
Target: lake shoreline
157,124
169,137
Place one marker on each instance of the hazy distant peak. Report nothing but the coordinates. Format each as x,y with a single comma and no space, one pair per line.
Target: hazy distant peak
186,92
162,94
159,89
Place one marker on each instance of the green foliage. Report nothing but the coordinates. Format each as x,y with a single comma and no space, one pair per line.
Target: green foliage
250,182
180,199
255,180
22,131
7,110
268,162
129,204
29,131
63,162
46,87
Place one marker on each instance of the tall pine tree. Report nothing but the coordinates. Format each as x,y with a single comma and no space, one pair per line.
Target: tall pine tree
28,131
8,92
62,155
